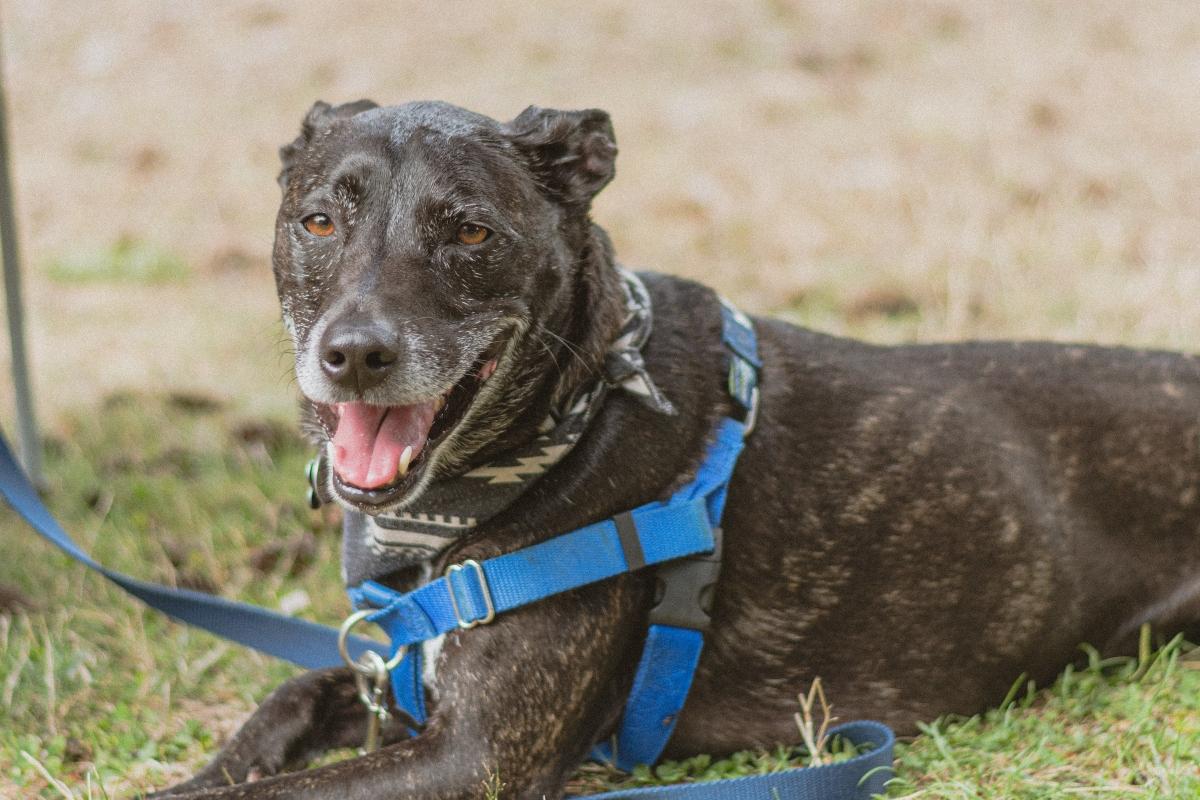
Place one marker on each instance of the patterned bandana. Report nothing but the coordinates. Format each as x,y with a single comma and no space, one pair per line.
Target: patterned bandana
373,546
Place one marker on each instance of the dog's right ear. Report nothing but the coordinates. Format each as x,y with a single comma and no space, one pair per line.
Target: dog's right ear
318,119
572,153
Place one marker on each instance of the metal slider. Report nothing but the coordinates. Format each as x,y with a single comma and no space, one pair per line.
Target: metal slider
485,590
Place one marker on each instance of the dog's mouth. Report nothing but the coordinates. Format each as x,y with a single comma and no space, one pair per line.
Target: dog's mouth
378,453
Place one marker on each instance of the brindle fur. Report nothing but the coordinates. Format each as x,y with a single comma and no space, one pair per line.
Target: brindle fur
916,525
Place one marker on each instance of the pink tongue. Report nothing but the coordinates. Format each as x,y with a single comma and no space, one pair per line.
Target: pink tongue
369,440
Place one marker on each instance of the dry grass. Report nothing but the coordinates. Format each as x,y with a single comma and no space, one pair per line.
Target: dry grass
917,170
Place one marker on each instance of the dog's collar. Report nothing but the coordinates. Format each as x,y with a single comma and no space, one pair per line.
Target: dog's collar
449,508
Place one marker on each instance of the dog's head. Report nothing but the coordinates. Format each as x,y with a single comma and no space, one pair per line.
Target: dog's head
441,282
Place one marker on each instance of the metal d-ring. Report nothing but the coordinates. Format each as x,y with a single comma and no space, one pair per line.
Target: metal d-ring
751,414
312,474
364,666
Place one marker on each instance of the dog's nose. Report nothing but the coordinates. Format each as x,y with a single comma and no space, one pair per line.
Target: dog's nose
357,357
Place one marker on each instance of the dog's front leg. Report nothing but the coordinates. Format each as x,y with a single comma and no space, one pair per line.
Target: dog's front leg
304,717
518,702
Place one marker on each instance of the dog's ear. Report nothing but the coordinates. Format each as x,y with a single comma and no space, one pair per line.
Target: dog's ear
572,153
318,119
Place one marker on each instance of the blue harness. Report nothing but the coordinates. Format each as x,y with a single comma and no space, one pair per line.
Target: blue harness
681,535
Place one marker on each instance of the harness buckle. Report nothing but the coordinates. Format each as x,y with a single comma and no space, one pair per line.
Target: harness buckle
490,606
685,589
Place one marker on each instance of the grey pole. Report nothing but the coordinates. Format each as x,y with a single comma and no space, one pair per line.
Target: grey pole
31,448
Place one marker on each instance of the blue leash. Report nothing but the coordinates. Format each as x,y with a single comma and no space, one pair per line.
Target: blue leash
296,640
857,778
680,535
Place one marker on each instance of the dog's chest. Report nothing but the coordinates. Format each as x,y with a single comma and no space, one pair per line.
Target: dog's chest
373,548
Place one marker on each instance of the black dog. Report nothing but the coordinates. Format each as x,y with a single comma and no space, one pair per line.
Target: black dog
916,525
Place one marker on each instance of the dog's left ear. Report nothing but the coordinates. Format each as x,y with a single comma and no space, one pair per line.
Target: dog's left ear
572,153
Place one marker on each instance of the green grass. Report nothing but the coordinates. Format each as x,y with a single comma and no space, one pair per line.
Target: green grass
126,261
172,490
100,697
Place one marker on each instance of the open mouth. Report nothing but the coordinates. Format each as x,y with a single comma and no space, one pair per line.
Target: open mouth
379,452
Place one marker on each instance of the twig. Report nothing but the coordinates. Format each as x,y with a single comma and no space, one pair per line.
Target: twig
50,779
814,734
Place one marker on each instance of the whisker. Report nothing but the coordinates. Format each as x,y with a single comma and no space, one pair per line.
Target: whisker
572,349
553,357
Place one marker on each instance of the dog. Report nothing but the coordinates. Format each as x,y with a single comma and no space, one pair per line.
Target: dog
918,525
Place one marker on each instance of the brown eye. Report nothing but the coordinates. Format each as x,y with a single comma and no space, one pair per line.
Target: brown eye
318,224
473,234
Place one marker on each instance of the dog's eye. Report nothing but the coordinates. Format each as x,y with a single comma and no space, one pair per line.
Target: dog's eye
318,224
473,234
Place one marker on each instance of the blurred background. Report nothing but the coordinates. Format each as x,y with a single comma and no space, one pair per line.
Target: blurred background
912,171
897,171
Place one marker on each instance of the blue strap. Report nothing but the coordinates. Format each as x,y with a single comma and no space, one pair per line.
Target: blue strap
299,641
669,658
408,686
670,655
855,778
666,531
660,688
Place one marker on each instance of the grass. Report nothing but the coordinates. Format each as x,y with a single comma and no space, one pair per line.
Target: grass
125,261
1114,728
102,698
174,490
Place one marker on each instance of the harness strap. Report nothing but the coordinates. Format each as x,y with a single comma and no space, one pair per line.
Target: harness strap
678,621
472,593
660,688
677,625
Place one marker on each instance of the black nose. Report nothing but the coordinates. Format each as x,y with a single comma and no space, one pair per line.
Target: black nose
357,356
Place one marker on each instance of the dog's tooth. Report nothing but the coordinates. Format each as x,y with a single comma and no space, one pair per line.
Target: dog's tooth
440,404
405,460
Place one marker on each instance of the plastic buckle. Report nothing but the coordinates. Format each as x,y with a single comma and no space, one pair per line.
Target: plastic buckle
484,589
687,588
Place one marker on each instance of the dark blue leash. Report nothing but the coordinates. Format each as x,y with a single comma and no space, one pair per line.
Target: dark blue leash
680,534
296,640
856,778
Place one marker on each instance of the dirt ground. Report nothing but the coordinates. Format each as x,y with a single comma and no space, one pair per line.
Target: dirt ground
922,170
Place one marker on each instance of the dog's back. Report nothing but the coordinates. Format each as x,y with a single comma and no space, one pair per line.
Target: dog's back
920,525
